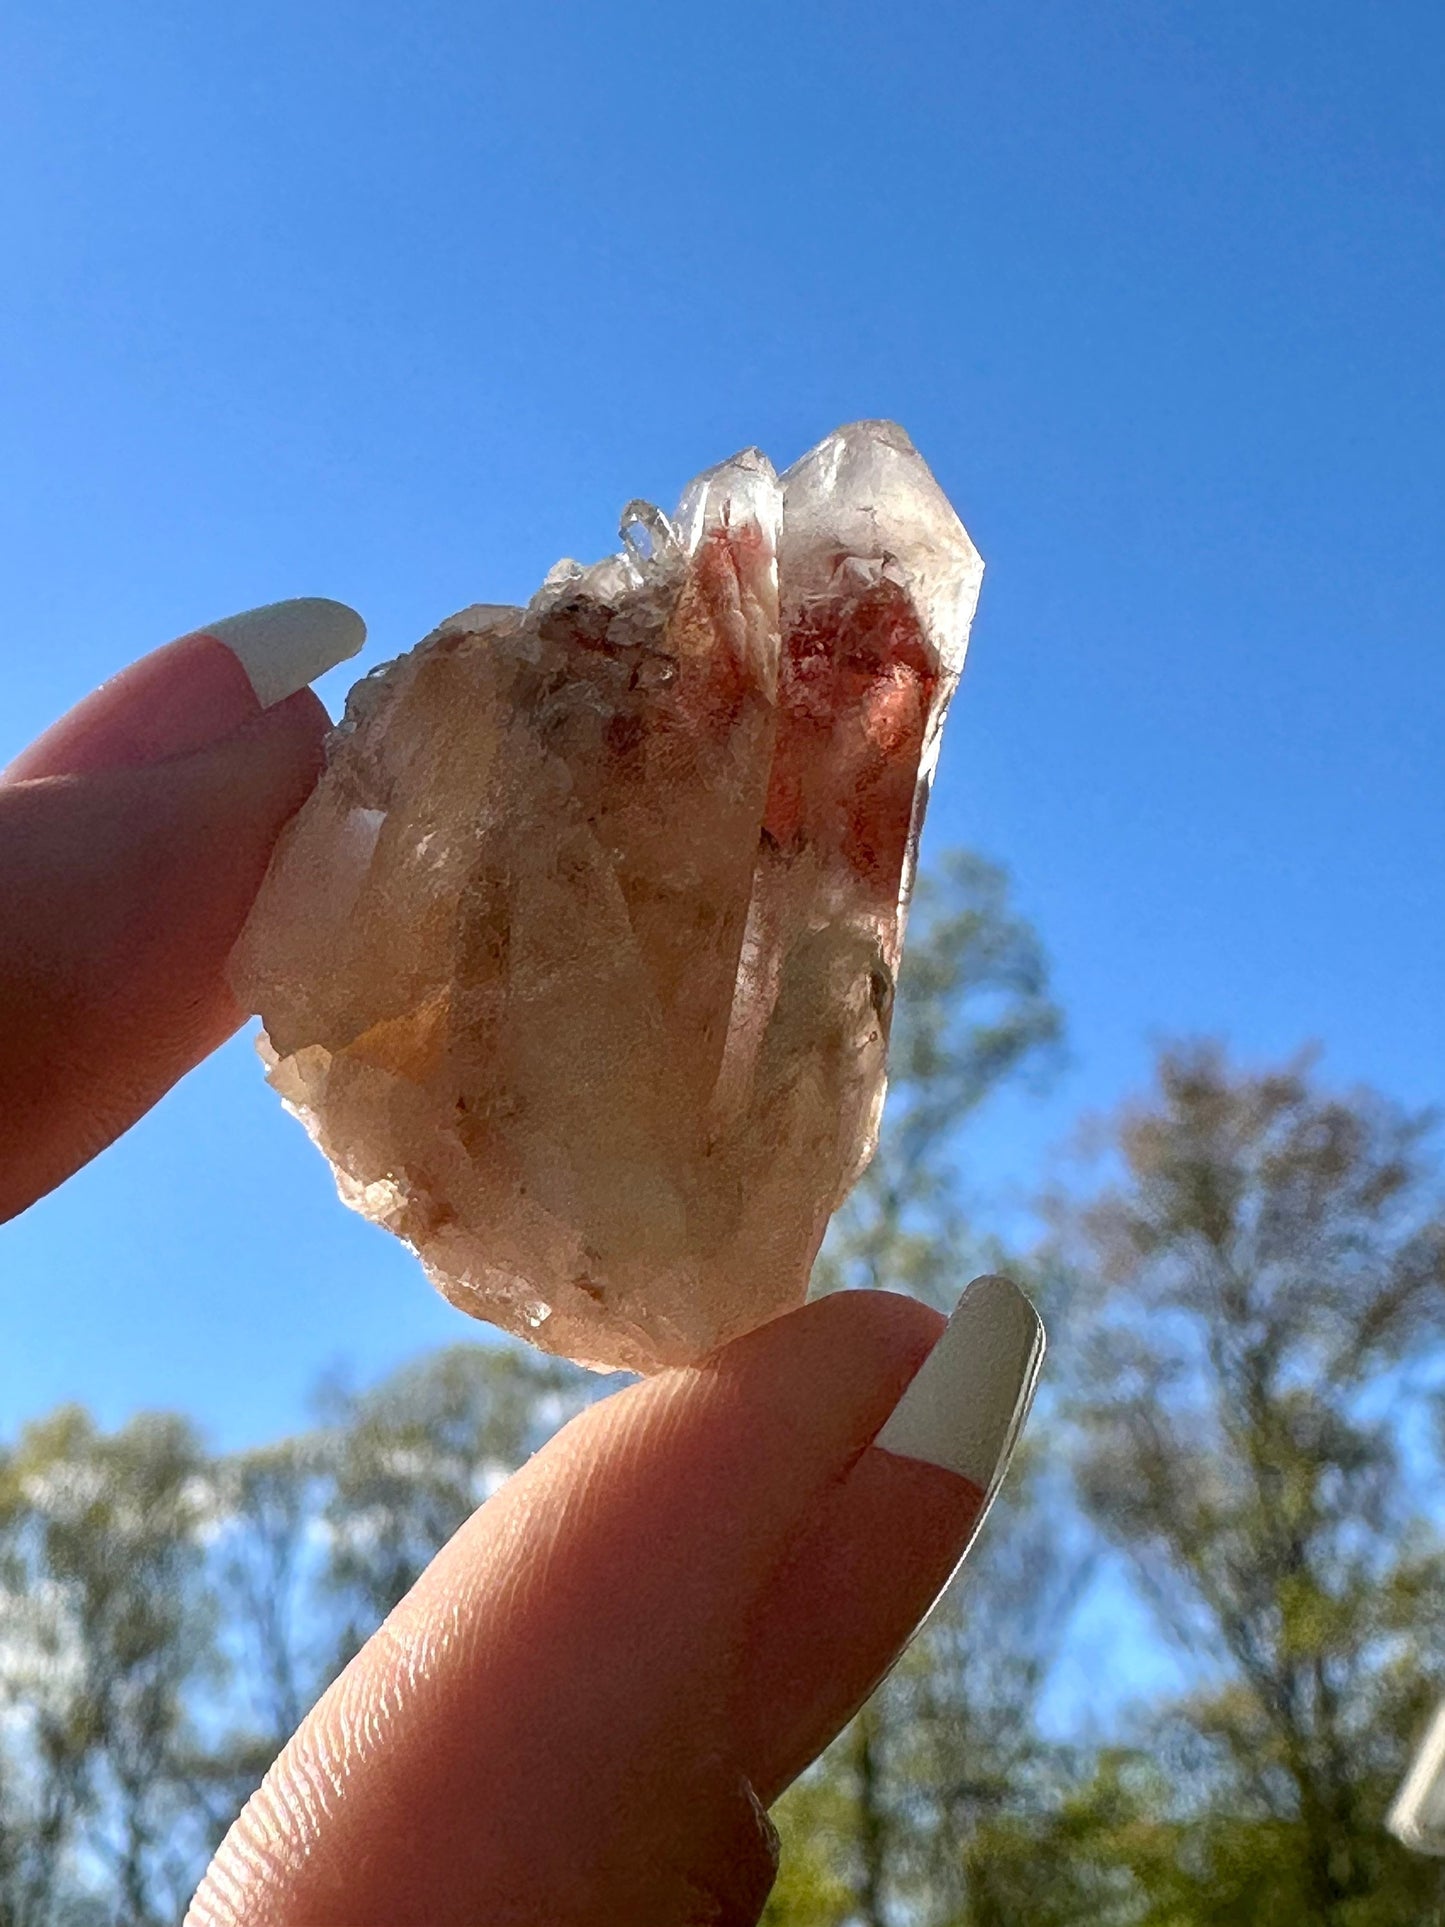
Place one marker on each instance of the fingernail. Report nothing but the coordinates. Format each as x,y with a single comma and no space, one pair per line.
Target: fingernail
872,1560
283,646
191,693
966,1405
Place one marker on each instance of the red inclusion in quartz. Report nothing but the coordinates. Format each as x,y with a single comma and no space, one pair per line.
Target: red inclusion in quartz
856,685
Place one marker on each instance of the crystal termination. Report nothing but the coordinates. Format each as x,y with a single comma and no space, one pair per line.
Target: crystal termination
578,963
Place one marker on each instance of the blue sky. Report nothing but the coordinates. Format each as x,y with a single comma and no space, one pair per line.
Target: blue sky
400,304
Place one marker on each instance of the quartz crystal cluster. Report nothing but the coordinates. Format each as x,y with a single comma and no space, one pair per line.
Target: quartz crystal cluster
578,963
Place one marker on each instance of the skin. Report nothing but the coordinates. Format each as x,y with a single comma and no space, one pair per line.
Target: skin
582,1711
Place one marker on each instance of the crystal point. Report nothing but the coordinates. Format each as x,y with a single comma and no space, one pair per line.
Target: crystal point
578,963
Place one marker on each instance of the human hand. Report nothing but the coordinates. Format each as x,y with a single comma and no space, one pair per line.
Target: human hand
585,1706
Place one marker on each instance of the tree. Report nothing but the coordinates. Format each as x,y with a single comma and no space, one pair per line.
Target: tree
885,1828
409,1462
166,1618
973,1015
267,1558
1249,1359
1263,1287
105,1638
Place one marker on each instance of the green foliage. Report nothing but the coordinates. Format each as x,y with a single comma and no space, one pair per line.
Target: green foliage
889,1826
410,1461
1265,1277
107,1635
973,1014
817,1823
167,1618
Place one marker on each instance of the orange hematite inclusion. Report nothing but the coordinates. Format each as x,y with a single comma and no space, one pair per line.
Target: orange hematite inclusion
578,963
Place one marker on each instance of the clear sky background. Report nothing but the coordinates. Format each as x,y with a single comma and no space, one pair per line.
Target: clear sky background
400,303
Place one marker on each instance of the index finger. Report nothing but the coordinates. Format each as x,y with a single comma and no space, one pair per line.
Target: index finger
578,1715
133,837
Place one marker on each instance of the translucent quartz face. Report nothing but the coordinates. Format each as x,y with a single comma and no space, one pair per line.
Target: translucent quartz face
579,961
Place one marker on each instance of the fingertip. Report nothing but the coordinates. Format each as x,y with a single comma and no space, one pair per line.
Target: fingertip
297,727
589,1628
852,1591
888,1537
849,1350
197,690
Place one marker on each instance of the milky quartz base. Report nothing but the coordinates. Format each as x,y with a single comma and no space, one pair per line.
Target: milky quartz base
579,961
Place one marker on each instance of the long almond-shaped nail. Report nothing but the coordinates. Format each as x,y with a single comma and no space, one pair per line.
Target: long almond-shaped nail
188,694
966,1405
871,1561
283,646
